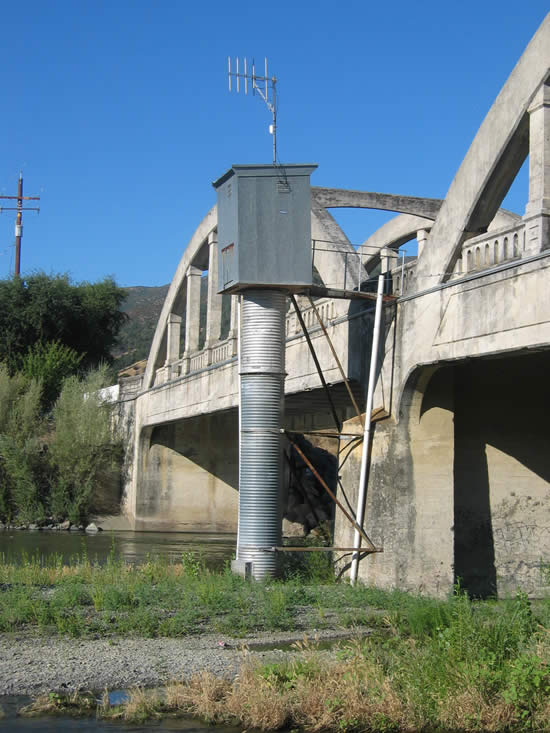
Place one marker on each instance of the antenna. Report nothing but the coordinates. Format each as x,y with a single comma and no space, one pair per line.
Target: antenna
268,83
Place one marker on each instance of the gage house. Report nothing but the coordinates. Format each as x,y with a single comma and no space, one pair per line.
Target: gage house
264,227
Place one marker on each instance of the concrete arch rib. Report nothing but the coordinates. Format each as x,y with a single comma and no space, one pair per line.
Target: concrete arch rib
404,227
491,164
207,225
394,234
341,198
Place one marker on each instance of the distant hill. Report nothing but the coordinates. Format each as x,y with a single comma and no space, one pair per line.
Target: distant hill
143,306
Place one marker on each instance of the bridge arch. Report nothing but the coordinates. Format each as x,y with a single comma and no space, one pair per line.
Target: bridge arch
495,156
201,254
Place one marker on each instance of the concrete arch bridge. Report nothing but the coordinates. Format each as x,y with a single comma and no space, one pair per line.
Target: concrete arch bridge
459,482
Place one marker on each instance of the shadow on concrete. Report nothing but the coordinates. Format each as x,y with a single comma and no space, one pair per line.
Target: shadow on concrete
474,551
500,406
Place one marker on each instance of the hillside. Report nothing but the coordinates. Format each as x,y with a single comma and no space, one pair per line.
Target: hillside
143,306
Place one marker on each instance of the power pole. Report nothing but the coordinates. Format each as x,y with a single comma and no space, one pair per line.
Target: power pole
19,219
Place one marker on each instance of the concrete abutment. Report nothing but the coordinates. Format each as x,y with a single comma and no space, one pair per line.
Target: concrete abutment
460,484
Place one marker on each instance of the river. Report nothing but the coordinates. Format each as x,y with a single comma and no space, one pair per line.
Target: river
133,547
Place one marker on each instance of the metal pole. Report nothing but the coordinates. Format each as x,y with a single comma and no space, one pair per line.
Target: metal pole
18,226
335,417
361,498
274,128
324,484
337,360
238,297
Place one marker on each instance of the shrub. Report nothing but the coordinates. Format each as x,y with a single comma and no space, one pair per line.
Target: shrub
85,448
20,450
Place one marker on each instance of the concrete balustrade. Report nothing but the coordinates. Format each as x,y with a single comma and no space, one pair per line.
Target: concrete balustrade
478,253
214,300
226,350
493,248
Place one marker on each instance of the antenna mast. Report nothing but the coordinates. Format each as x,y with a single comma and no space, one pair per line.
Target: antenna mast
263,88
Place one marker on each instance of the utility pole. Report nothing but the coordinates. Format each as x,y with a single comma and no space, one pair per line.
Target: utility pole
19,219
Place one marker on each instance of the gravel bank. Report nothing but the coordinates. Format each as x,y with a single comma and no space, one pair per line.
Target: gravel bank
30,665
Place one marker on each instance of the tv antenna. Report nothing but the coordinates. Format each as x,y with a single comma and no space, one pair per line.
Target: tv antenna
264,87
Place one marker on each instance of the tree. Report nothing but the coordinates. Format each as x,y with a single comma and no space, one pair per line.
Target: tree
50,363
40,308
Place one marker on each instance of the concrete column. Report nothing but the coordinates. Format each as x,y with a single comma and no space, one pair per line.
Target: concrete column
214,302
421,238
173,334
192,310
537,211
234,321
388,259
539,152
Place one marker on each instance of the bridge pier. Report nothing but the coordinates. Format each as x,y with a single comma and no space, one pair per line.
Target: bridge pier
262,374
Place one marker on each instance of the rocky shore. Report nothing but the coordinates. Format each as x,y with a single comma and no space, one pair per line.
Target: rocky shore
53,526
31,665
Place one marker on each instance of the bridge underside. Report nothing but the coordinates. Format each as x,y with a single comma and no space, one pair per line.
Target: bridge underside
190,467
460,486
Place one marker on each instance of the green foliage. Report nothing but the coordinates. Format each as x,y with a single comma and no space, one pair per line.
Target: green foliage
55,466
313,566
84,448
40,308
193,564
20,451
528,685
50,363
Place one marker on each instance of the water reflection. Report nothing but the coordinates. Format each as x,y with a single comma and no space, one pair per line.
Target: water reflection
10,705
134,547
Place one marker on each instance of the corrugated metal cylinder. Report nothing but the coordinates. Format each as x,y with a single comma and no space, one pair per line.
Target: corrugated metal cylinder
262,406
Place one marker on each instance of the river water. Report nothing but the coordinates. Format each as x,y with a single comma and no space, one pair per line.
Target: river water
133,547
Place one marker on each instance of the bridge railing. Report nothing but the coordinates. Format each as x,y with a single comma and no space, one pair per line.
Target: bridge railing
403,278
490,249
478,253
326,309
224,350
221,352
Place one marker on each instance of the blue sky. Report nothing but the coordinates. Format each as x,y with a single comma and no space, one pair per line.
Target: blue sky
119,115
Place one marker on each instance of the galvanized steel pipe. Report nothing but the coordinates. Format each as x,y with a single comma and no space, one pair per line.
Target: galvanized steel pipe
262,373
362,495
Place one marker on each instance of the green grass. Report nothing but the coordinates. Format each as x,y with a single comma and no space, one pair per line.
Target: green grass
157,598
428,664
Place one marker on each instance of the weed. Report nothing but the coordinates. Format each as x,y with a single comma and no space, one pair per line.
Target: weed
76,704
193,564
528,685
